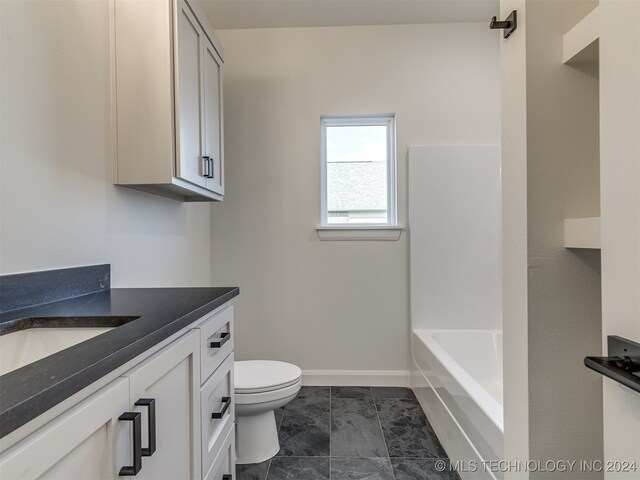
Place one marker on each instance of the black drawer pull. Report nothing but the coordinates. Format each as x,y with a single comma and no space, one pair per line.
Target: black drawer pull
227,476
226,403
150,403
224,338
135,417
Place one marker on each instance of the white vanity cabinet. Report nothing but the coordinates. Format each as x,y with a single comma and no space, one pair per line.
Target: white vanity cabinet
87,441
167,100
161,418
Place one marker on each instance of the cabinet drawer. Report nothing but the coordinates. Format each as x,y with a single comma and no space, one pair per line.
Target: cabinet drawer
217,411
225,465
216,341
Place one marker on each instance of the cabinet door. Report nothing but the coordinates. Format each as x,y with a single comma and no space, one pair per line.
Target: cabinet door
213,135
189,165
172,379
86,442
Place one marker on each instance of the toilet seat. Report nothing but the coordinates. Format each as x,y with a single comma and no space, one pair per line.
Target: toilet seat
263,376
270,396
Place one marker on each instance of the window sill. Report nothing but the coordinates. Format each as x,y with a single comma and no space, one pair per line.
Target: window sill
359,232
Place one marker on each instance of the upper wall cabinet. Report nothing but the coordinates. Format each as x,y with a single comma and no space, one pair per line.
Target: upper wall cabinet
167,77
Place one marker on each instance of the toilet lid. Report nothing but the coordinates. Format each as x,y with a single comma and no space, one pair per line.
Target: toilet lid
256,376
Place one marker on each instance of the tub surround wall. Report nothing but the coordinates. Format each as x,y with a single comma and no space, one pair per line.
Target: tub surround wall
303,297
454,217
58,207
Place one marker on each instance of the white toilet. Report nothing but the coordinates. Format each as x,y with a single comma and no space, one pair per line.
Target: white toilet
261,386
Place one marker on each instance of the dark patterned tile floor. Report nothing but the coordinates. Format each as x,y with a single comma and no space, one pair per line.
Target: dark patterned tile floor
352,433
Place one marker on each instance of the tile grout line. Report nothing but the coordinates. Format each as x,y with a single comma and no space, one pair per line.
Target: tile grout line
268,468
330,456
384,438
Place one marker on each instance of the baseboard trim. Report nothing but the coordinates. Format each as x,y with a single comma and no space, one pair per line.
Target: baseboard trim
353,378
418,380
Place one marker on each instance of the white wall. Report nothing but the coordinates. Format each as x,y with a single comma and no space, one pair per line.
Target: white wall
454,218
620,201
58,205
550,172
333,305
564,285
514,239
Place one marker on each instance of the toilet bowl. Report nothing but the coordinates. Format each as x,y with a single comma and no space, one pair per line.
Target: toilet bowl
260,387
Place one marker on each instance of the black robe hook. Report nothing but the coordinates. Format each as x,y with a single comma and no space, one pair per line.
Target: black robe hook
509,25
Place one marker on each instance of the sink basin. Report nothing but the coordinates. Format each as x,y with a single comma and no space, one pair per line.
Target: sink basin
27,340
21,348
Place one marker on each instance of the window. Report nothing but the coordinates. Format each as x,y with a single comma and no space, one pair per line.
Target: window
358,170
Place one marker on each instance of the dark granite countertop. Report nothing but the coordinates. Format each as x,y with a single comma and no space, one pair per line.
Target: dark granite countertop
33,389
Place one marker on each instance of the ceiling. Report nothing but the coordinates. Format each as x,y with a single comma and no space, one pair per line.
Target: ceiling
230,14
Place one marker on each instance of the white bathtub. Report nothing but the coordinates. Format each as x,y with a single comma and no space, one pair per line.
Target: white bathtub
462,391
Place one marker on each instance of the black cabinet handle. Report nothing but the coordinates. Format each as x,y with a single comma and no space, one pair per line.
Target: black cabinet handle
206,165
227,476
212,170
150,403
135,417
226,403
224,338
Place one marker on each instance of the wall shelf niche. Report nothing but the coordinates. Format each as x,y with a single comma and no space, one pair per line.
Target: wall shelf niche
582,233
581,43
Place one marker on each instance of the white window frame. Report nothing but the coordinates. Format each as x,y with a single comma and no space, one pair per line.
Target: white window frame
384,120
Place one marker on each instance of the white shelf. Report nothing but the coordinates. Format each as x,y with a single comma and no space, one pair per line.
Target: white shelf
582,232
580,44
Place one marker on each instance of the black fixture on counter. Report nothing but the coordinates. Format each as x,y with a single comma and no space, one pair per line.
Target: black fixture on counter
509,25
622,364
